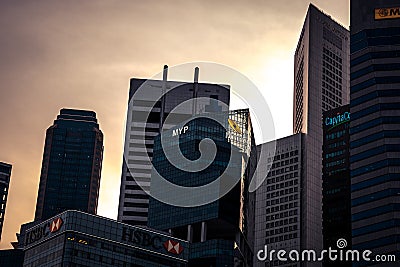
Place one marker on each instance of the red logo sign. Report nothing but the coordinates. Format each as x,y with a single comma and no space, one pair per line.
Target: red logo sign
56,225
173,247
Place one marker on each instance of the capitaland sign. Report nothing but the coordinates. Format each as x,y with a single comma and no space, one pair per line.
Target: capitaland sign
149,240
337,120
42,231
387,13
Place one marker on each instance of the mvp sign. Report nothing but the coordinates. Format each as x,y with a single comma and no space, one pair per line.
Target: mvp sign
387,13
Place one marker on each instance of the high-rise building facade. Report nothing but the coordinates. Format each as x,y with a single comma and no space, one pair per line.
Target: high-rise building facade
5,174
220,231
375,126
71,167
321,82
336,204
147,111
279,212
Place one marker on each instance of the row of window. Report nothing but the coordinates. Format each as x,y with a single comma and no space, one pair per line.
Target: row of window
374,122
334,82
282,207
392,177
137,187
283,156
282,222
374,152
335,135
373,109
374,81
327,54
392,192
330,100
282,230
283,170
374,95
332,38
377,41
335,153
337,91
374,55
282,178
388,208
282,185
389,31
281,200
281,215
280,238
98,252
375,67
380,242
335,171
284,162
373,228
335,163
333,75
334,69
282,192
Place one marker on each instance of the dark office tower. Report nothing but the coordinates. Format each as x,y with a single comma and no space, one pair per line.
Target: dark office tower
279,211
71,167
336,179
375,126
5,173
136,169
220,232
321,82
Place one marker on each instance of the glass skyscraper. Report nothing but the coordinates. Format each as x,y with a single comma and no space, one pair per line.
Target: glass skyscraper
321,82
220,232
71,166
336,179
375,126
136,169
5,174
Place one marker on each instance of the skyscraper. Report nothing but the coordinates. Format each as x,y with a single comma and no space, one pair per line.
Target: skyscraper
5,174
336,179
321,82
279,210
71,167
136,169
220,232
375,126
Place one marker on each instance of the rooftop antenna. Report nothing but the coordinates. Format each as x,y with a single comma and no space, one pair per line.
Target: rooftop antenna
164,91
195,90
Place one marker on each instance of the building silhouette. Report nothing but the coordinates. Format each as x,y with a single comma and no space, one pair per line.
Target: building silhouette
375,126
336,202
75,238
71,166
220,231
321,82
150,103
5,174
279,209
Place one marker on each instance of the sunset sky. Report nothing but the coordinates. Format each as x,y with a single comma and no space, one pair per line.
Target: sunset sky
81,54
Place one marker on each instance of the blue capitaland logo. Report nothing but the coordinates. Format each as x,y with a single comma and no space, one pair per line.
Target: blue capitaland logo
337,120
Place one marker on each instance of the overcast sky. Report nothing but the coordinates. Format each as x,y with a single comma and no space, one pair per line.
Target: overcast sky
81,54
